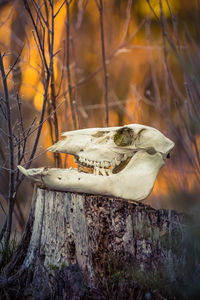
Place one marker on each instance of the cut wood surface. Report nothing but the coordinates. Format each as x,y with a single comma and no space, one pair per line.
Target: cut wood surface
104,237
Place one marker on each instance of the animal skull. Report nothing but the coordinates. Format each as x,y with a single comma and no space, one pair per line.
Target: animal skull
117,161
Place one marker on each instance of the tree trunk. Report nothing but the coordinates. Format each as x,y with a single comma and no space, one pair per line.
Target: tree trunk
79,246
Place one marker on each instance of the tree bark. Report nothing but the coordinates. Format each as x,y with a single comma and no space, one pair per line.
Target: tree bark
79,246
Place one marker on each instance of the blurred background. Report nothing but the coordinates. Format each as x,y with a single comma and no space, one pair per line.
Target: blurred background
99,63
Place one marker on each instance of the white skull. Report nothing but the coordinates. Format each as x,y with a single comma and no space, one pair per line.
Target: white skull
119,161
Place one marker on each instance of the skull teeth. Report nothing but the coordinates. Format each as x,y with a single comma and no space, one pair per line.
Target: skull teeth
101,171
125,157
107,164
95,164
117,162
103,168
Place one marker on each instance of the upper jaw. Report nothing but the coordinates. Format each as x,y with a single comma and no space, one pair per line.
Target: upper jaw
141,137
96,152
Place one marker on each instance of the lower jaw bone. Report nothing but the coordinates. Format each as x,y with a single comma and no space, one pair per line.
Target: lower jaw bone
134,182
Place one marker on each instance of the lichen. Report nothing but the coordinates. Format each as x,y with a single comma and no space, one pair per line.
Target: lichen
57,268
54,267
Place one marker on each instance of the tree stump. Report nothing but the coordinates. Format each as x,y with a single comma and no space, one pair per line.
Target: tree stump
76,245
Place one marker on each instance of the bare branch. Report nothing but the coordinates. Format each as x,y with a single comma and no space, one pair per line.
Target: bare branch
16,61
55,15
77,104
40,15
3,108
101,10
81,10
68,67
3,229
53,122
127,22
45,98
153,71
37,33
2,208
11,198
39,49
3,131
174,22
153,11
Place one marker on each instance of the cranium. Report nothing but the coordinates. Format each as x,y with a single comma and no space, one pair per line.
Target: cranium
117,161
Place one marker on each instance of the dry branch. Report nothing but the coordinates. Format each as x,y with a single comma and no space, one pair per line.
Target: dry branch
101,14
11,194
71,100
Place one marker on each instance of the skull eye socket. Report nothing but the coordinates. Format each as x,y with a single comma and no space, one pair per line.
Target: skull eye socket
124,137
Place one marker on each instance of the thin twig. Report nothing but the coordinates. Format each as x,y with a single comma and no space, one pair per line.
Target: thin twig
53,122
78,104
21,125
68,66
46,87
40,15
37,32
174,22
16,61
101,12
3,229
153,71
81,10
3,109
55,15
11,197
45,98
62,73
127,21
2,208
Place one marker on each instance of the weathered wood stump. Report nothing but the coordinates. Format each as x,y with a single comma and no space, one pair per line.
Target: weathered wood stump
76,245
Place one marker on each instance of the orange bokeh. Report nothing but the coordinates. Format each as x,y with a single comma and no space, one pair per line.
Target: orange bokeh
129,75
